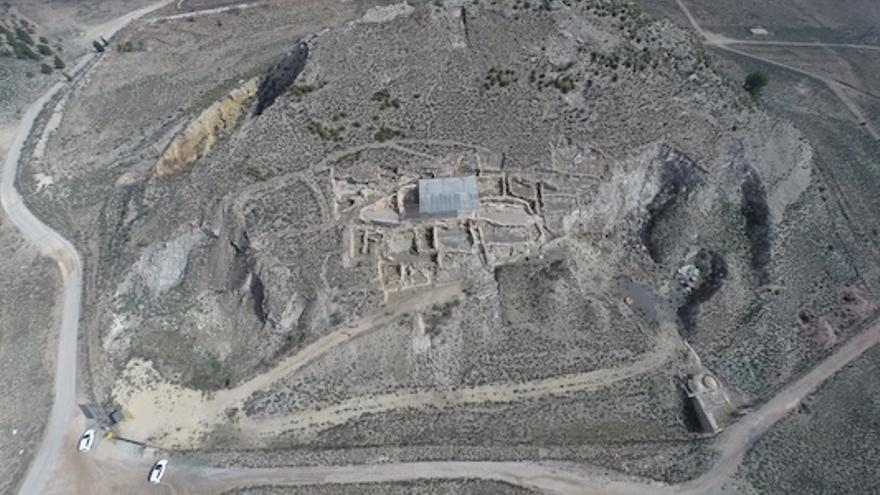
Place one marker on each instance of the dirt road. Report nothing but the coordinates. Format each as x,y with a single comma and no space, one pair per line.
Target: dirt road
436,295
550,477
839,89
737,439
200,13
560,478
356,407
802,44
53,245
180,416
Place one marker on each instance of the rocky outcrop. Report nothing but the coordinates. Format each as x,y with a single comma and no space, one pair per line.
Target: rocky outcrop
281,77
163,264
201,135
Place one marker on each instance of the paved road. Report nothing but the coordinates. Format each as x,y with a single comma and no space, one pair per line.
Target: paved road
53,245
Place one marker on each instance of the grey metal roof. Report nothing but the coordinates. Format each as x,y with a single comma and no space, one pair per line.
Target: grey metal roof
449,196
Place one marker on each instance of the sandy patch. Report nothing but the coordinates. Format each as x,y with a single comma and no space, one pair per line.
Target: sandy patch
42,181
51,127
172,415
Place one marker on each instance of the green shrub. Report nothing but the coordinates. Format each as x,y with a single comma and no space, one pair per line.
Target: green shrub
386,133
755,83
325,133
563,83
46,68
59,64
499,77
129,46
383,96
23,51
44,49
23,36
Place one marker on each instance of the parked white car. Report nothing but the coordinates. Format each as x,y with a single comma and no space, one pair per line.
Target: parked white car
86,440
158,471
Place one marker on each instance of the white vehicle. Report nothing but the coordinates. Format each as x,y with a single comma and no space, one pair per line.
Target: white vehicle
158,471
86,440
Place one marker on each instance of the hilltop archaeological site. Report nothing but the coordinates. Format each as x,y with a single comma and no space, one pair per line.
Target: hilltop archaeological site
348,232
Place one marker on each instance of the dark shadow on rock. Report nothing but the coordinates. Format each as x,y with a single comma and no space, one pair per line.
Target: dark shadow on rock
757,216
280,77
678,175
713,270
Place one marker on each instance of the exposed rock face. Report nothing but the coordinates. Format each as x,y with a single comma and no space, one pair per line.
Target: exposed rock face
645,184
606,138
386,13
281,77
162,264
201,135
606,148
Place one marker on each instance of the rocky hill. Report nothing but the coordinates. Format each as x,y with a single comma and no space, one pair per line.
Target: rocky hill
627,188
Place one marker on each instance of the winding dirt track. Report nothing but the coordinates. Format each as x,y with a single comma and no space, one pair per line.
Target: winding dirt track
563,478
52,244
355,407
428,297
802,44
210,412
839,88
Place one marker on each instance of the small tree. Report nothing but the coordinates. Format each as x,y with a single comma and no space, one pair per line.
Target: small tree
59,64
23,51
24,36
45,68
755,83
